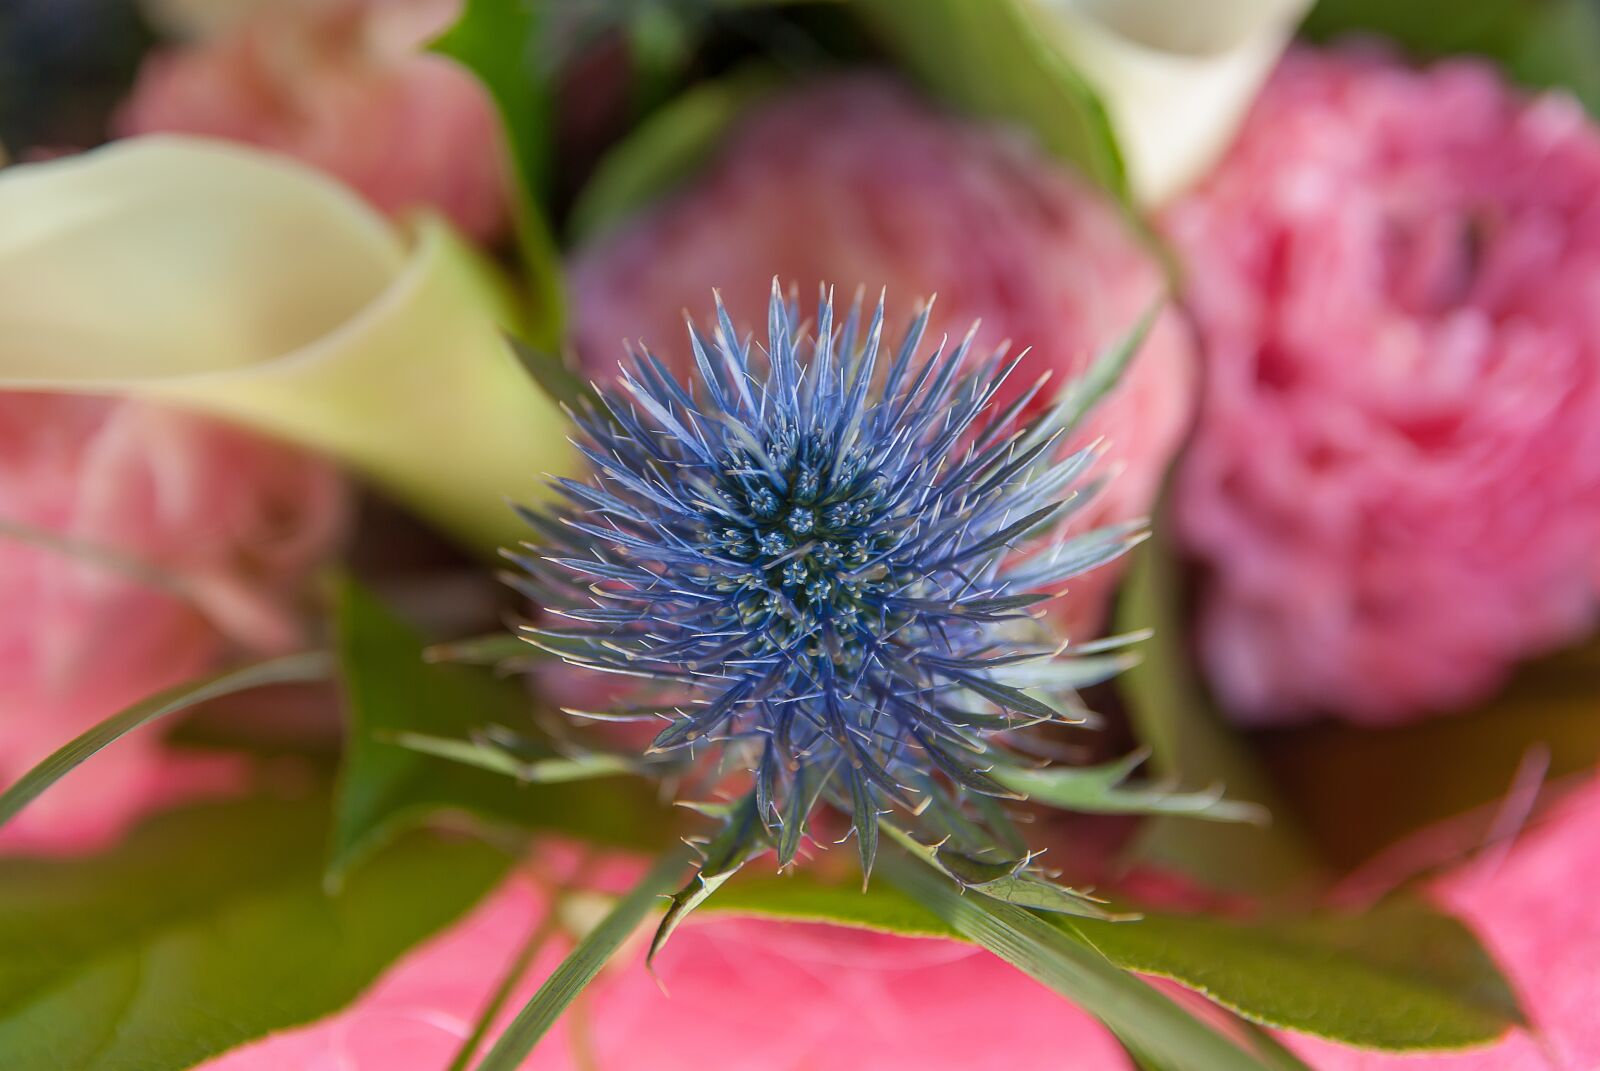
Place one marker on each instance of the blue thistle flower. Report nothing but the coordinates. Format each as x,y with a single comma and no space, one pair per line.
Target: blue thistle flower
826,562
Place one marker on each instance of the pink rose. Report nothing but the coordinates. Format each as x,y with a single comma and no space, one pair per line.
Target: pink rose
1394,491
1534,910
740,995
341,85
174,537
856,182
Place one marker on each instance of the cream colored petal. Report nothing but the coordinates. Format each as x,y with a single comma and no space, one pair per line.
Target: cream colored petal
234,282
1177,76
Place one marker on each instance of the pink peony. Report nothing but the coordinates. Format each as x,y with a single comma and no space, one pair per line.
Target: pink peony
856,182
134,543
341,85
744,996
1394,488
1534,912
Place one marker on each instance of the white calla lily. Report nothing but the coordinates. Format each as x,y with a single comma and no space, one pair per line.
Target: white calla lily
234,282
1176,76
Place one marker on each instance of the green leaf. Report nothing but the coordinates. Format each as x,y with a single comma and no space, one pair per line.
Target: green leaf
1030,891
1271,1052
742,836
1560,48
1274,1052
560,383
1102,790
392,694
1107,369
500,42
664,150
1050,953
1432,27
1541,43
1191,744
295,668
1139,1060
1398,977
511,978
995,58
580,967
207,928
487,650
487,755
1004,880
801,897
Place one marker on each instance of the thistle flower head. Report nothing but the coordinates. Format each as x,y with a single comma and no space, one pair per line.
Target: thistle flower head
824,558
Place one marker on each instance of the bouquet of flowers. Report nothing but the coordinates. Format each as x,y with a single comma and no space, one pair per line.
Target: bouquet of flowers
760,534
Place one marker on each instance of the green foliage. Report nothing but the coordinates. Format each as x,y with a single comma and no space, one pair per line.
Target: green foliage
1191,744
801,897
492,649
1104,790
500,758
580,967
502,42
295,668
1399,977
561,384
995,58
740,839
664,150
385,785
1002,877
499,42
1161,1029
1541,43
207,928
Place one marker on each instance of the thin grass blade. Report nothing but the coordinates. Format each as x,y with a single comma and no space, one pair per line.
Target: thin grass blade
1132,1009
581,966
289,669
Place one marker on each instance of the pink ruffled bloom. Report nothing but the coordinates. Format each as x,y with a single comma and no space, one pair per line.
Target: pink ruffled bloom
1394,489
743,994
856,182
1534,911
342,86
136,545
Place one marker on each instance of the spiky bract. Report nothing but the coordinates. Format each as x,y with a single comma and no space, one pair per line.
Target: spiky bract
828,561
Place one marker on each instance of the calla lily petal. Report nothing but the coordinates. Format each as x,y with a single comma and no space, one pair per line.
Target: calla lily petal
1176,76
234,282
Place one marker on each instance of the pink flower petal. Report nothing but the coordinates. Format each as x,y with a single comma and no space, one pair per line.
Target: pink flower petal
1394,489
343,87
1534,911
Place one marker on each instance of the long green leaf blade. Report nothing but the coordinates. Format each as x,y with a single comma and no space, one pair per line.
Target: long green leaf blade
580,967
209,927
1191,744
505,44
290,669
994,57
1127,1006
485,756
1103,790
1398,976
664,150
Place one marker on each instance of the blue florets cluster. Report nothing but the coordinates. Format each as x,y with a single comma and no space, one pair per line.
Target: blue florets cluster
825,559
